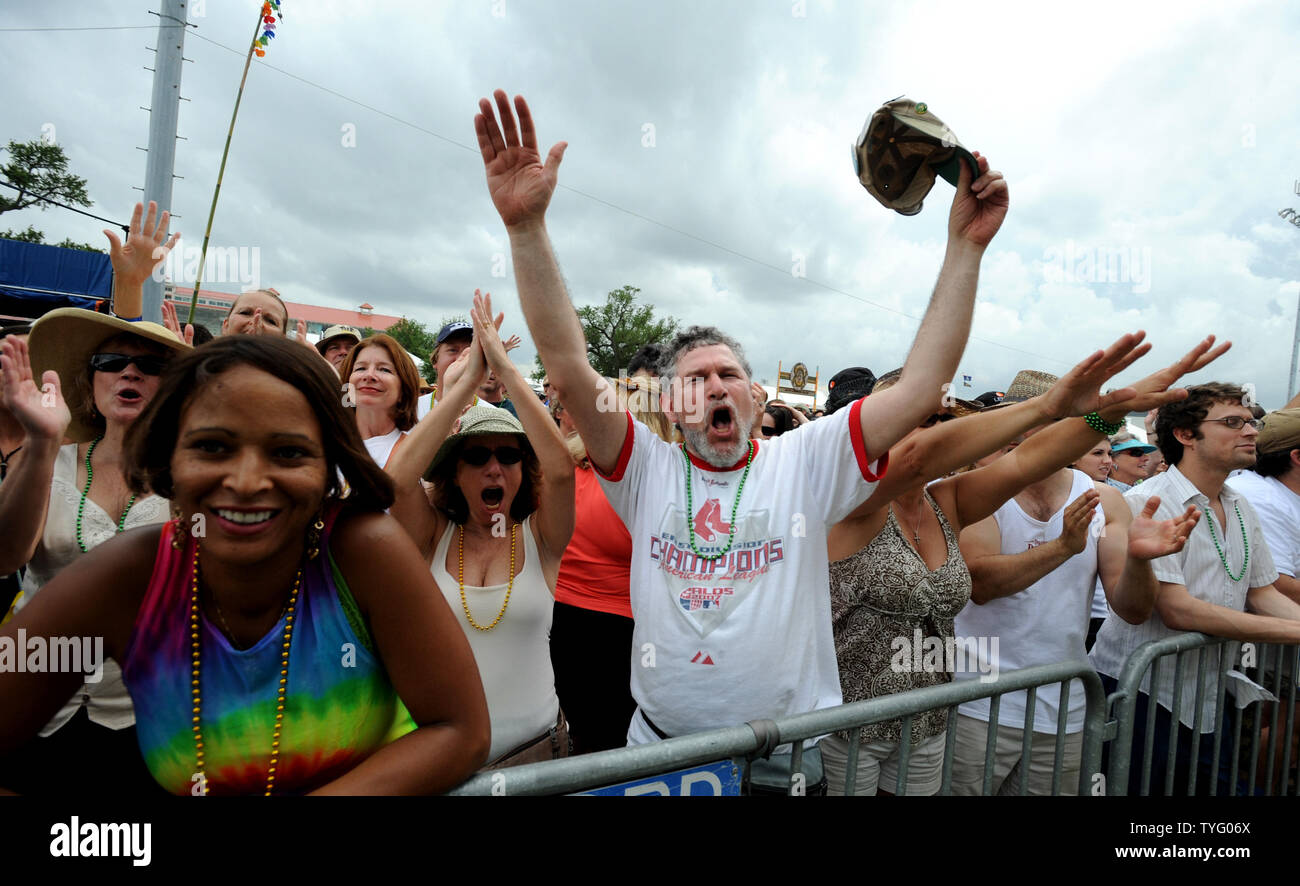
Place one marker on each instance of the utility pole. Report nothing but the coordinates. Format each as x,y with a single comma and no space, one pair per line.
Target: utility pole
164,115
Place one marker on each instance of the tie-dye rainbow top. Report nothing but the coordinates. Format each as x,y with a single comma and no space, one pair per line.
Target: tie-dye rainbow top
339,707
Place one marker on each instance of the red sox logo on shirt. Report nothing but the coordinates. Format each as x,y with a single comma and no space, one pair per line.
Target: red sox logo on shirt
706,588
709,521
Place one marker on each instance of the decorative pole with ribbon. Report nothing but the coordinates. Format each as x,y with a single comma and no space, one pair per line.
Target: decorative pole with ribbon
266,19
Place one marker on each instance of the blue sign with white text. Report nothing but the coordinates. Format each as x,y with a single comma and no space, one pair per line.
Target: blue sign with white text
710,780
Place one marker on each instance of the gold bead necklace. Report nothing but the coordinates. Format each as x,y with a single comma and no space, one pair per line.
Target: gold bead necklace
460,578
195,681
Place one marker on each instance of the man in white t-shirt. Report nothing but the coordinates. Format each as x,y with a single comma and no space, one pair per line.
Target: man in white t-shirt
730,578
1273,489
1034,568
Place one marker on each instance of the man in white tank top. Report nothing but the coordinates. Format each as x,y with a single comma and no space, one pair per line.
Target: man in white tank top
1034,566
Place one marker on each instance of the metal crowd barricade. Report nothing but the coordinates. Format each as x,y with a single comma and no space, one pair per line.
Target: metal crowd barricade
1275,665
751,740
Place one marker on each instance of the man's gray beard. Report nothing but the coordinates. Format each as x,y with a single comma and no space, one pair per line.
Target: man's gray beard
697,441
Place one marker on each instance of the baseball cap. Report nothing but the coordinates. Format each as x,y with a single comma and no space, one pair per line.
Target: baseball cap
900,150
848,385
454,328
1135,446
1279,431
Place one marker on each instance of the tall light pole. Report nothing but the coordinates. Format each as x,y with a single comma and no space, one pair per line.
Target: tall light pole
1295,340
164,113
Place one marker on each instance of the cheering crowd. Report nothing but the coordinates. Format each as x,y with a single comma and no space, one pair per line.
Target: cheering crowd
307,575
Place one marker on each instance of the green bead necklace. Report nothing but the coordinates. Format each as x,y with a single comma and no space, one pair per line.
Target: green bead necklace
1245,540
90,477
690,509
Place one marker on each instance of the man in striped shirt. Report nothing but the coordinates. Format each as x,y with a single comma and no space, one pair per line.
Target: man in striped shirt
1221,583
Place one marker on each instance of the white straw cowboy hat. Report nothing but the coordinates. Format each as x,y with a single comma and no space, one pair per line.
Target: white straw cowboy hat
66,338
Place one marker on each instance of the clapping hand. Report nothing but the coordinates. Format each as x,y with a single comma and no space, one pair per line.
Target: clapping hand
1077,519
486,332
1149,539
173,323
40,411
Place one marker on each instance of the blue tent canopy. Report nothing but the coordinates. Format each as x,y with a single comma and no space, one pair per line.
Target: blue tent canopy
35,278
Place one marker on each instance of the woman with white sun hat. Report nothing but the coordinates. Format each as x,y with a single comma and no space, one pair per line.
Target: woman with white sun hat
74,489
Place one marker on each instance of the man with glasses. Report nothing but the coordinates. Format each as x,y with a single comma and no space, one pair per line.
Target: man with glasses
1224,570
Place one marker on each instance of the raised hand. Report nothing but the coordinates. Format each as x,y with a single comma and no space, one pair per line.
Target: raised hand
146,246
301,334
1077,519
486,332
1078,392
40,410
1153,391
521,187
1149,539
173,323
979,207
513,342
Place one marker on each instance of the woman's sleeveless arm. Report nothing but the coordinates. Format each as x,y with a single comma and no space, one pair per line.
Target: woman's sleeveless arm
92,602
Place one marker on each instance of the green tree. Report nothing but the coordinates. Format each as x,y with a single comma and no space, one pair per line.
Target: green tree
414,337
39,170
617,329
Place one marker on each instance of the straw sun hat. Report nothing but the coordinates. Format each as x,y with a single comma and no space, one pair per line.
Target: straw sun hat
66,338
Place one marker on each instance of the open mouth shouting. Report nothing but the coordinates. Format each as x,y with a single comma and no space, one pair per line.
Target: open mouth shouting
722,422
493,497
130,397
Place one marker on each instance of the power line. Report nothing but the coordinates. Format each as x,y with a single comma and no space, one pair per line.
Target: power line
104,28
633,213
46,199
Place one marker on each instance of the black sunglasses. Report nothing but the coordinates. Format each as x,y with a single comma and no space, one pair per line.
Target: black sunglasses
769,432
479,455
149,365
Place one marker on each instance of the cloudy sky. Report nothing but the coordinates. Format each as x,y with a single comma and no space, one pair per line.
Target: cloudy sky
709,160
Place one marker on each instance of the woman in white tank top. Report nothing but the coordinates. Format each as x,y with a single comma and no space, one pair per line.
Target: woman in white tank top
501,516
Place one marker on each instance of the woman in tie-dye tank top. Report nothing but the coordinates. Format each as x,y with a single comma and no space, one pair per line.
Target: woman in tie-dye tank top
274,637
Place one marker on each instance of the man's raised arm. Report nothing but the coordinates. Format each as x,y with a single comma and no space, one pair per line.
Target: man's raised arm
977,212
521,188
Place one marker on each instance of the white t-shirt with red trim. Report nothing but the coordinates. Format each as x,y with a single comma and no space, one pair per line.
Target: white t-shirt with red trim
746,636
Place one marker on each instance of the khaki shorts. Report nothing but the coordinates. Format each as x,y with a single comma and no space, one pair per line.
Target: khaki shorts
1008,767
878,766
